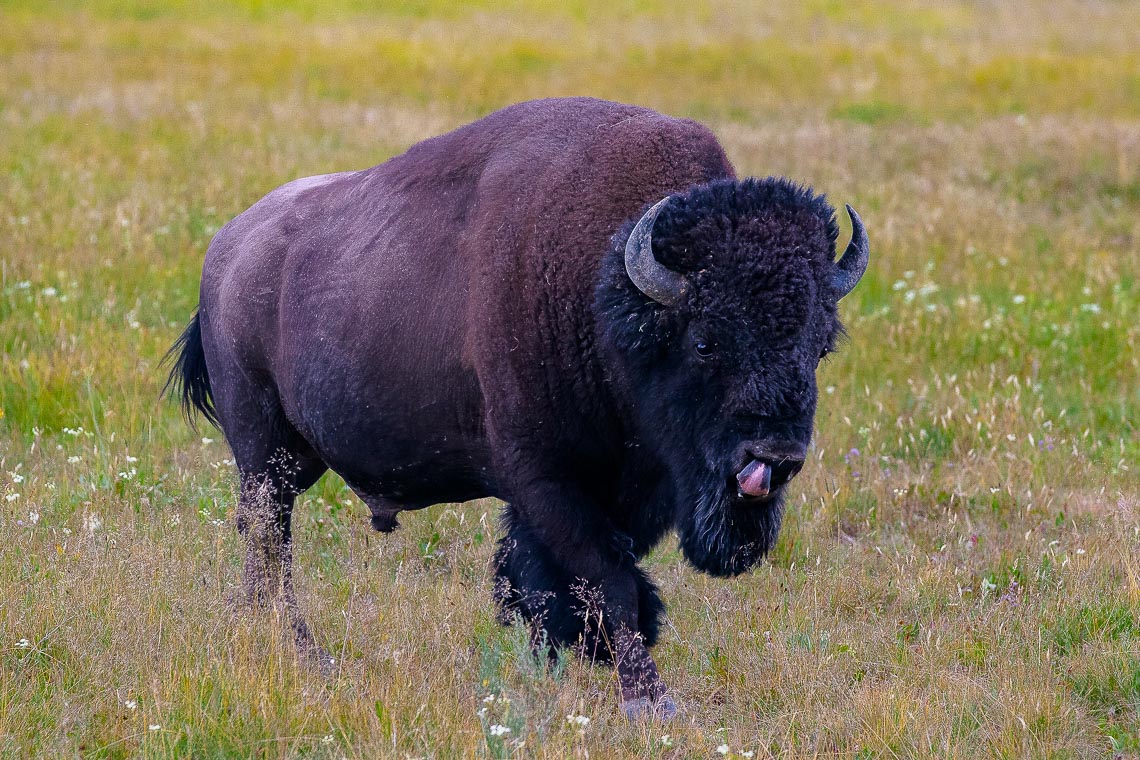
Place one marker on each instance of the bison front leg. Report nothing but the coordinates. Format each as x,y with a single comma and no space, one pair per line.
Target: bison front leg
642,690
579,587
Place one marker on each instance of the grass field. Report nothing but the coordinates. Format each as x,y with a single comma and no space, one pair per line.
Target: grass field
959,572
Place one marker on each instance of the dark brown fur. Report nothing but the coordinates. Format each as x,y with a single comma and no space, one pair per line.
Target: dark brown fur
456,323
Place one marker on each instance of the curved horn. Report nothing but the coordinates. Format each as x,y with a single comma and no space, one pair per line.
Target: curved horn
853,263
653,279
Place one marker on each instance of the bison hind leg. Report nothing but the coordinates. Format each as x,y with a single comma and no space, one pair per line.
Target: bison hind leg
264,519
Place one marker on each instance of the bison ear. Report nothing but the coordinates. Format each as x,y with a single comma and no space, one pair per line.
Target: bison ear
651,277
853,263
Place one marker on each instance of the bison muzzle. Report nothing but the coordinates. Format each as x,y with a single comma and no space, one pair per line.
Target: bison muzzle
572,305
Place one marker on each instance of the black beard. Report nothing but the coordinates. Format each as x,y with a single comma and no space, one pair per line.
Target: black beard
722,534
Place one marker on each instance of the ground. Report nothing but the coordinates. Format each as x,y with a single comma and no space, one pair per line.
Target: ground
959,573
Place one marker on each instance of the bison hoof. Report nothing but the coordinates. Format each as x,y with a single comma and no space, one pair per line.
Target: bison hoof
315,656
643,707
243,599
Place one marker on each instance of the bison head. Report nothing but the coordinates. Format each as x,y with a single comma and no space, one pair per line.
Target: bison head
716,308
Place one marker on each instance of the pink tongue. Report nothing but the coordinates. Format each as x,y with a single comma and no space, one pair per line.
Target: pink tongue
755,478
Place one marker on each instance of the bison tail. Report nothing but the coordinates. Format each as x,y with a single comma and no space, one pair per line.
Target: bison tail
189,379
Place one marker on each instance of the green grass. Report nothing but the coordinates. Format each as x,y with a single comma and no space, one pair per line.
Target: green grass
958,575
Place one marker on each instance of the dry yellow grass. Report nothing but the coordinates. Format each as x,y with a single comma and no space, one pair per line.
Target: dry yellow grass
958,575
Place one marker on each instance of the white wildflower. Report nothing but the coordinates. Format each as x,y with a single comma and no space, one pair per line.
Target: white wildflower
154,727
327,739
34,517
722,749
12,497
72,459
48,292
489,698
1019,299
207,441
497,730
1091,308
131,459
23,644
580,720
16,477
131,704
92,522
666,740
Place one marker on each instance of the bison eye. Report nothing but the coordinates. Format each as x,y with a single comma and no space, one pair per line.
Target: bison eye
824,353
704,348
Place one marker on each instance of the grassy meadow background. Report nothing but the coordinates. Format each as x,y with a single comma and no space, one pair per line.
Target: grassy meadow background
959,572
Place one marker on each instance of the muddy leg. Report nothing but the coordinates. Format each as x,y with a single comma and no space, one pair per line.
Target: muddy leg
264,518
259,521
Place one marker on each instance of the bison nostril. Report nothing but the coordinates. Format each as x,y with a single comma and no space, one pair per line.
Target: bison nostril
784,470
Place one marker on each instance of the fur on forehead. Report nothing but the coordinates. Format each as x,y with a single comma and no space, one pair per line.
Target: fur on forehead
731,224
716,235
762,248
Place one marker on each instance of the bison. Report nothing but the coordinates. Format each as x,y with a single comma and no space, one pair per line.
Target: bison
572,305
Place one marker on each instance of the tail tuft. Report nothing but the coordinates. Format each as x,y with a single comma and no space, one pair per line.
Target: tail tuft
189,378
